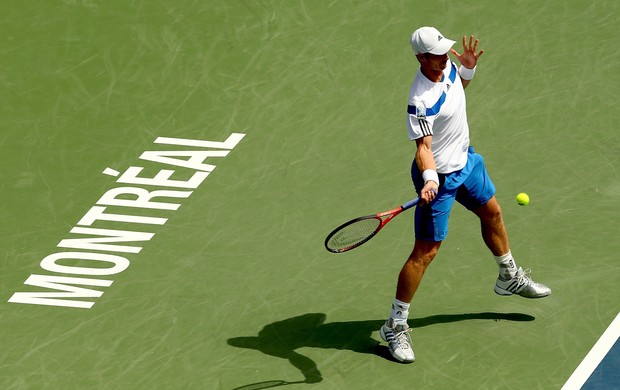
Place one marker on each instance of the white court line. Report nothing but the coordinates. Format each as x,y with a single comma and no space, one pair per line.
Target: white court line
594,357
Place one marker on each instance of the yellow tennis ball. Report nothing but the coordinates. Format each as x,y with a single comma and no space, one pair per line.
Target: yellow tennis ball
523,199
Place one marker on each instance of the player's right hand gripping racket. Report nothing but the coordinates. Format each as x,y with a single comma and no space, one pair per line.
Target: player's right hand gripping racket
357,231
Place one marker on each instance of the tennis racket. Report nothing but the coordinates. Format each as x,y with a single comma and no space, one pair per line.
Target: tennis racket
357,231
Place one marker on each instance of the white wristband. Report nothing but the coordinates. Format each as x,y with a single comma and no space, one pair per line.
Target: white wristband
466,73
430,175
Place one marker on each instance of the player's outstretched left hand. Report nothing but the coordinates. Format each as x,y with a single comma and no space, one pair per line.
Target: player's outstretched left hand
469,58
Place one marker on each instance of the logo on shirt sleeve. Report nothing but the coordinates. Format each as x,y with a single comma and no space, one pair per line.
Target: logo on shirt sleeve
417,108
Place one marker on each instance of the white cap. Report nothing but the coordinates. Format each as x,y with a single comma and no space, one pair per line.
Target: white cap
430,40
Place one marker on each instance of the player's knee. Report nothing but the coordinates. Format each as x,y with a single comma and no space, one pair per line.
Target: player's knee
424,252
491,212
495,212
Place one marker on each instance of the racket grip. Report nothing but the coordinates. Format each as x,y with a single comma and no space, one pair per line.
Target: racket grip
410,204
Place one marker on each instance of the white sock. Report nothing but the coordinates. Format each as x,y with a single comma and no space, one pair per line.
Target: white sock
507,266
400,312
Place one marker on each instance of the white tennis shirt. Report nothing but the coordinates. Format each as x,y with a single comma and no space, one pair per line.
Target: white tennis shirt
438,109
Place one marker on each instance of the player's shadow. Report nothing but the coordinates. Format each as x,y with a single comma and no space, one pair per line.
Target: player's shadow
281,339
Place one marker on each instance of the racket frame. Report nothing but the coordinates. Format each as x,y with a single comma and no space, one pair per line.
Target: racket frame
385,217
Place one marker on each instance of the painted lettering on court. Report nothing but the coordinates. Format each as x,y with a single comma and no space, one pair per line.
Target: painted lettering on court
101,243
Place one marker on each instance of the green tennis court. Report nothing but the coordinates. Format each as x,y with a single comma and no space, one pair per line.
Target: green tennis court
222,140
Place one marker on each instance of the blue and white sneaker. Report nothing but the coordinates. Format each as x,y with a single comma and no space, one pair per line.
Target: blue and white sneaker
399,341
523,285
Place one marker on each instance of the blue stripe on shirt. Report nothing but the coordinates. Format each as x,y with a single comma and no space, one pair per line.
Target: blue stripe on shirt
434,110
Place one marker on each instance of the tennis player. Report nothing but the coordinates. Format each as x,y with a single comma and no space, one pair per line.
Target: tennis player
446,168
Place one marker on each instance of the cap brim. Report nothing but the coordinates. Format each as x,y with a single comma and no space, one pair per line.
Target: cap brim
443,47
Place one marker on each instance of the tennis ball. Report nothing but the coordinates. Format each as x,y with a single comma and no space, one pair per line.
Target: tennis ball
523,199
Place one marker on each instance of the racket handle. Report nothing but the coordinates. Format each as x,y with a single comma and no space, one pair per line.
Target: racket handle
410,204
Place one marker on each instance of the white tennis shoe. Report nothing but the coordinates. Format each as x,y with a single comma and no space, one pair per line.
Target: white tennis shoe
399,341
523,285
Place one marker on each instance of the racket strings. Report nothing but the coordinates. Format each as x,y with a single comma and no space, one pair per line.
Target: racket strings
354,233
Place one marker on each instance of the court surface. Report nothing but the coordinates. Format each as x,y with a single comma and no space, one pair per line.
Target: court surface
296,112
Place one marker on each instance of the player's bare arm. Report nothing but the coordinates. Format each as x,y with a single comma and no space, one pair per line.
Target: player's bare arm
425,160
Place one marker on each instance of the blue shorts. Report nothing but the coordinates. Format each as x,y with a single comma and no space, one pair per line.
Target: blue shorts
471,187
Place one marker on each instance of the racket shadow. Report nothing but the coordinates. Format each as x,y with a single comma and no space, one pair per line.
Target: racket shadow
281,339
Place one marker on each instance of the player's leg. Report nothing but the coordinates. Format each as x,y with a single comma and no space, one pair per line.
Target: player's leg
496,238
412,271
511,279
396,331
478,194
431,227
492,227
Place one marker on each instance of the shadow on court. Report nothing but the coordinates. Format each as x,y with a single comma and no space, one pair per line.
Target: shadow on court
281,339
